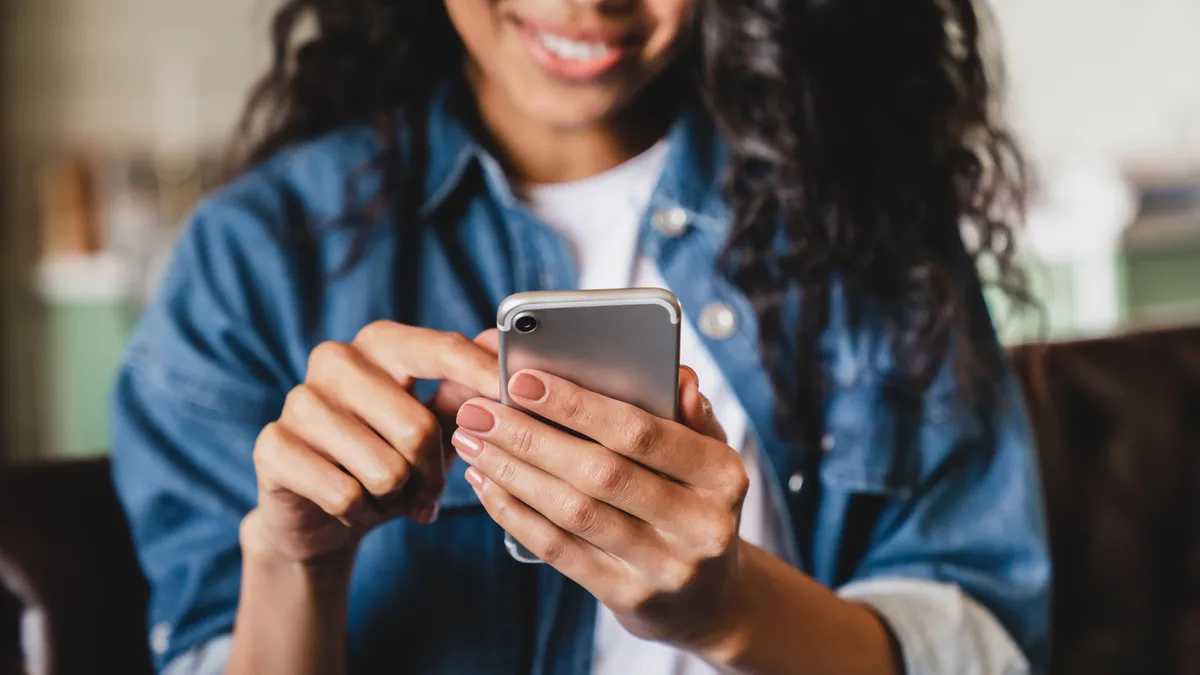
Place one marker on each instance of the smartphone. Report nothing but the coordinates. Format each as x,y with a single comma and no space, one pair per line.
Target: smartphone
623,344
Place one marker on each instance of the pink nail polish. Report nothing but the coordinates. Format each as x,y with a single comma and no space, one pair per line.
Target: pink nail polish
467,444
475,478
475,418
527,386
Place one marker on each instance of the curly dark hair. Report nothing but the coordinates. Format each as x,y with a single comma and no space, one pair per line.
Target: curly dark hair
863,137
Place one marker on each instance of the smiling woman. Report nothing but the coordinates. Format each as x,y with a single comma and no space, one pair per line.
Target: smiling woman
849,486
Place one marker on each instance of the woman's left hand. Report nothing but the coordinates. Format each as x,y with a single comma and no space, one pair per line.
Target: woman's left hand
645,518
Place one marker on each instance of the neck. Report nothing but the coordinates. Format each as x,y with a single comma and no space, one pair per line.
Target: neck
536,153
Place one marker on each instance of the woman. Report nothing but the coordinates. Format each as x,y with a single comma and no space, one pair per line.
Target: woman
853,492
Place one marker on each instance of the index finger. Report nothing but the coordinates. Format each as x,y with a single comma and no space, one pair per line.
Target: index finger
409,353
667,447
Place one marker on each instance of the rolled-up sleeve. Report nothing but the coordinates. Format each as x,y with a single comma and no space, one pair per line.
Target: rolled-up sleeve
940,629
959,568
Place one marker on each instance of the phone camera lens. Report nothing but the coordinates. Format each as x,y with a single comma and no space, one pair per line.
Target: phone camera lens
526,323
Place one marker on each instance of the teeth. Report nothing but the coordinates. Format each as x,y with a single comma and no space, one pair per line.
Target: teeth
570,49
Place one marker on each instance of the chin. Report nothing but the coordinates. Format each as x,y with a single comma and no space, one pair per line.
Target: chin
570,113
571,108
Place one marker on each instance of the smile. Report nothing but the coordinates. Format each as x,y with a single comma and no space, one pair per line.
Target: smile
566,48
578,56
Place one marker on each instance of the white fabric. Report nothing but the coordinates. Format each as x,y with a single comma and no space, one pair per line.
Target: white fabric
940,630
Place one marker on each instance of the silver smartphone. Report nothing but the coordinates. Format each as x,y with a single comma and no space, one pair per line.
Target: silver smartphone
623,344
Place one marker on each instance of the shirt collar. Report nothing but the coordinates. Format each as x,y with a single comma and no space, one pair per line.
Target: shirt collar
690,180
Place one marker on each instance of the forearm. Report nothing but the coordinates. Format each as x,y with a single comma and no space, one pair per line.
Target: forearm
781,621
291,617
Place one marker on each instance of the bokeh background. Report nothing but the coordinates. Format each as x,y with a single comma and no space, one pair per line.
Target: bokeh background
114,112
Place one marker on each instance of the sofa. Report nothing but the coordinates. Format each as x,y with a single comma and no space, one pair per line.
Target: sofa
1118,433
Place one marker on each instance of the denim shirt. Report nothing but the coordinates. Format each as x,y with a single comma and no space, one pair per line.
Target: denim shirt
259,278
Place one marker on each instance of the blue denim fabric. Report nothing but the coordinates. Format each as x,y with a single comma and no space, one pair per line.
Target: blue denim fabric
257,280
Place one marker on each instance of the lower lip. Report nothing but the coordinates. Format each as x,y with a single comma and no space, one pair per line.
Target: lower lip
567,68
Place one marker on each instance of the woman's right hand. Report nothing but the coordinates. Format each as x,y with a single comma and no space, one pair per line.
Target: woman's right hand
353,448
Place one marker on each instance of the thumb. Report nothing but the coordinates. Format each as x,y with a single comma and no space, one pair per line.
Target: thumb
695,411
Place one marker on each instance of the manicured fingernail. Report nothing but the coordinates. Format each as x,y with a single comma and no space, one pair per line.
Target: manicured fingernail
428,514
475,478
466,443
474,418
527,386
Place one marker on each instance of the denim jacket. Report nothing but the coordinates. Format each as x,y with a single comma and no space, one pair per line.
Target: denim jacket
259,277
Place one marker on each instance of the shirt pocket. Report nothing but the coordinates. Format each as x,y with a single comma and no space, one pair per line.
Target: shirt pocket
862,448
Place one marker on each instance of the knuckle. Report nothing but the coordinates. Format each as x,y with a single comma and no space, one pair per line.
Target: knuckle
523,439
641,598
345,500
301,402
679,575
571,405
372,333
580,515
460,341
505,472
641,434
551,546
735,483
268,439
608,476
419,427
266,447
328,354
453,343
718,536
390,478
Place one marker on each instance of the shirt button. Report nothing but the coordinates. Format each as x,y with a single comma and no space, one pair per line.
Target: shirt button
718,321
827,443
160,638
672,221
796,483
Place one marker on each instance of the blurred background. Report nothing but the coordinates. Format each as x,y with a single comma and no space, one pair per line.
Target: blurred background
113,114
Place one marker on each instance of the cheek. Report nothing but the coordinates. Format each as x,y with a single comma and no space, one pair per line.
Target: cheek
669,17
476,24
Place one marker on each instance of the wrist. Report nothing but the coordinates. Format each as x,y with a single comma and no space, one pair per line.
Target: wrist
726,638
260,554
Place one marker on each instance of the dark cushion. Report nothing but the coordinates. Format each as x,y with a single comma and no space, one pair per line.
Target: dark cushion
68,553
1118,431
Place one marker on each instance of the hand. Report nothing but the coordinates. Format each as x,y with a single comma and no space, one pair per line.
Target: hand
353,448
645,518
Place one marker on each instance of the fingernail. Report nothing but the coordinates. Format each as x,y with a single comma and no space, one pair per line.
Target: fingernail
428,514
527,386
474,418
695,377
466,443
474,478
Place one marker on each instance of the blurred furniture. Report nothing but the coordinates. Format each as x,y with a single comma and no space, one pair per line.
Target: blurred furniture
1119,439
1118,433
66,555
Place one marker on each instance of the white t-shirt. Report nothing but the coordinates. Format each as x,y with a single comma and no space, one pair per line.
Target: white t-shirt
600,217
